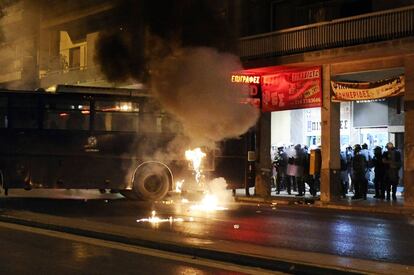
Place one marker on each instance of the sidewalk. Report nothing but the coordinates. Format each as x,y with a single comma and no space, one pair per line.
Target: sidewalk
370,205
270,258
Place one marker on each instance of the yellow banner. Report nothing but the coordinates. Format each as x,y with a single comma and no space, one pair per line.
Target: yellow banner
349,91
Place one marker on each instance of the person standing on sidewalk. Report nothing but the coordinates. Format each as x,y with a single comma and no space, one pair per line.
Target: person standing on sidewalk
368,156
379,173
392,164
281,162
307,177
299,162
359,165
344,174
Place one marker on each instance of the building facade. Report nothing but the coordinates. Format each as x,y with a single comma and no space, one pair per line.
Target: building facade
51,42
353,41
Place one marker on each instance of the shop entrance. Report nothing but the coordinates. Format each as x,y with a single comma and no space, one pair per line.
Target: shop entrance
375,118
293,97
295,134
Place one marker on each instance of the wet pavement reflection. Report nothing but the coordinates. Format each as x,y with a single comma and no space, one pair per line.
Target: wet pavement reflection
30,253
367,236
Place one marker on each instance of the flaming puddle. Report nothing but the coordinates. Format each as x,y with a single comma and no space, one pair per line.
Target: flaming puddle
153,219
208,203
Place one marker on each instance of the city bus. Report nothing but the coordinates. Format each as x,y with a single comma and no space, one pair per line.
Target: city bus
102,138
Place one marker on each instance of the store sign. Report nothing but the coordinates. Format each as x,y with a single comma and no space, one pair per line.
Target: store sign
348,91
246,79
252,96
295,89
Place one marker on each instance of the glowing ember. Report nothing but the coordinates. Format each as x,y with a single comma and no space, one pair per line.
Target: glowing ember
156,220
195,156
178,186
209,203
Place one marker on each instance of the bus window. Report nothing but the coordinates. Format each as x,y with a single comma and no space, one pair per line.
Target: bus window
116,116
155,120
3,112
24,111
66,114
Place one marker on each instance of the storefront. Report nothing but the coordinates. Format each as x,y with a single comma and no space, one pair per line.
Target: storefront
314,107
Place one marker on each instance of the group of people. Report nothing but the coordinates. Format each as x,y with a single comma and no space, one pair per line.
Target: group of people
291,170
356,164
291,166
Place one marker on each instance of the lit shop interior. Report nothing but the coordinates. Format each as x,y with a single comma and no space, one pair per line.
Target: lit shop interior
373,121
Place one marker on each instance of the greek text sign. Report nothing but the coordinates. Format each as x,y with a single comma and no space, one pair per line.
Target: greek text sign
293,89
348,91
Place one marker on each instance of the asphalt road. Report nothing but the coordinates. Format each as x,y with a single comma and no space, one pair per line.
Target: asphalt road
25,250
377,237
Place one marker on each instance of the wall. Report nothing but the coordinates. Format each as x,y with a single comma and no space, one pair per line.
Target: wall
280,126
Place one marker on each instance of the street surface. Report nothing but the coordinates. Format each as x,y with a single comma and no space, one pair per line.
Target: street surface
35,251
378,237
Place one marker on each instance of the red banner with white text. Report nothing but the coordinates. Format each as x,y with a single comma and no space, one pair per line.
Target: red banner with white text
293,89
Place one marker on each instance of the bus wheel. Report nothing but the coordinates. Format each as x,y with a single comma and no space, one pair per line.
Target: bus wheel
151,182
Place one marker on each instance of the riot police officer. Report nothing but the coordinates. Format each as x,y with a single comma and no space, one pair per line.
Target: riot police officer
281,162
359,165
392,164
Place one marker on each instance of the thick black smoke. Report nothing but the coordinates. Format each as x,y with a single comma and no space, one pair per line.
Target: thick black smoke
183,50
122,50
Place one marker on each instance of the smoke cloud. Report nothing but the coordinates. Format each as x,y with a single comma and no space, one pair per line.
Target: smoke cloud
194,85
187,61
218,187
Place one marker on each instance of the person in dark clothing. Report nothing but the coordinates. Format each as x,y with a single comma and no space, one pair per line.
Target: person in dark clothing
379,173
290,179
368,157
299,161
344,174
359,165
307,177
281,162
392,164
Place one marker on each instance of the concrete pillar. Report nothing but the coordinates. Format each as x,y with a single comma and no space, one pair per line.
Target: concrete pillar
409,132
263,163
330,116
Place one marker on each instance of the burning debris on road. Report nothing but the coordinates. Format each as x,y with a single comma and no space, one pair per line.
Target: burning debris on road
213,193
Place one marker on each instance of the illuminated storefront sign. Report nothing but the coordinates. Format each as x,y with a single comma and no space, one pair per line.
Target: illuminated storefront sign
286,89
247,79
293,89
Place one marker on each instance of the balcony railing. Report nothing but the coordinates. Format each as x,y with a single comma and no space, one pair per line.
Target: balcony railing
367,28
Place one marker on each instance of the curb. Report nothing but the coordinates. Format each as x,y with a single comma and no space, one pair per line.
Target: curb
305,202
194,251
